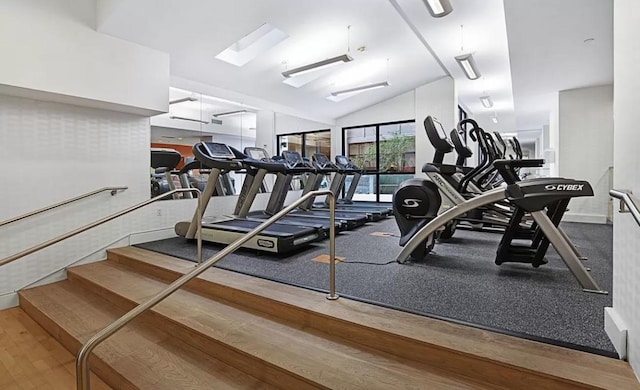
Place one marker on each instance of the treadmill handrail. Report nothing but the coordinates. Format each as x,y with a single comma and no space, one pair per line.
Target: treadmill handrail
625,198
114,190
82,368
101,221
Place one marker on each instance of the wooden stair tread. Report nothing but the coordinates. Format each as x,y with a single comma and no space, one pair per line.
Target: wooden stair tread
30,358
527,355
308,354
147,357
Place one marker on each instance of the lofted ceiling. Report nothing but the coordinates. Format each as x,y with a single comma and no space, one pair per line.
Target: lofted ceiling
525,50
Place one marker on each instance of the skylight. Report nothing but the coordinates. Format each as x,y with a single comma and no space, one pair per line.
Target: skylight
252,45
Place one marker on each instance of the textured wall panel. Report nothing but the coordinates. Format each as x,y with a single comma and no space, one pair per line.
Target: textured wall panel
50,152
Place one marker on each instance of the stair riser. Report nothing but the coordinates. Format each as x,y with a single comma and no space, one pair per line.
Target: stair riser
251,365
496,373
97,365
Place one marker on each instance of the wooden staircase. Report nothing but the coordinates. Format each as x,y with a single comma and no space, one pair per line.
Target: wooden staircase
228,331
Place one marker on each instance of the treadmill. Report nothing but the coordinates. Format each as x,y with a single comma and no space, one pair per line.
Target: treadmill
324,167
294,162
277,238
347,167
258,165
164,161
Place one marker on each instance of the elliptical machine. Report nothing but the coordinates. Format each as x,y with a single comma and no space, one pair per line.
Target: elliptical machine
415,203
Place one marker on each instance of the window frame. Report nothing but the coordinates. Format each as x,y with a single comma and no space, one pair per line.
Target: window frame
375,172
303,134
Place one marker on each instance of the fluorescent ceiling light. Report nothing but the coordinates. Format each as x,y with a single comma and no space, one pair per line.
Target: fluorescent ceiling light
213,121
304,79
230,113
252,45
486,101
361,88
468,65
494,119
438,8
317,65
184,99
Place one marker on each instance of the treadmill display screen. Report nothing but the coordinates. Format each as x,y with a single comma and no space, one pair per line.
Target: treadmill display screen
441,133
291,156
218,150
341,160
321,158
256,153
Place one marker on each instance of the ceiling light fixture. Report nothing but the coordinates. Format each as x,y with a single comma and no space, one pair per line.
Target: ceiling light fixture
230,113
184,99
318,65
468,65
486,101
438,8
213,121
361,88
494,119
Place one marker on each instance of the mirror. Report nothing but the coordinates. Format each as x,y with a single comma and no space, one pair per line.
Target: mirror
194,117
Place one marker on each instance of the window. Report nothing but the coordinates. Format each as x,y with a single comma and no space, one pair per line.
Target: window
386,152
306,143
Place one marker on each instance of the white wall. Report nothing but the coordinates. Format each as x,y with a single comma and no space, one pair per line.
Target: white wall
585,149
626,245
399,108
50,50
51,152
285,124
440,100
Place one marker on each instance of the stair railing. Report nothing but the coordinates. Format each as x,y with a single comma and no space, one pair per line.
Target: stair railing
79,230
113,190
626,199
82,367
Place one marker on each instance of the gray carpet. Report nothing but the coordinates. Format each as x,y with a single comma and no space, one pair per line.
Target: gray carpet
458,281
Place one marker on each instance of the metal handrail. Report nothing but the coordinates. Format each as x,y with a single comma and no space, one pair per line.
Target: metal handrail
114,190
82,368
625,198
79,230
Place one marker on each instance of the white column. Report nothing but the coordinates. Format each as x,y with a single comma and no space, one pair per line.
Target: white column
266,131
551,154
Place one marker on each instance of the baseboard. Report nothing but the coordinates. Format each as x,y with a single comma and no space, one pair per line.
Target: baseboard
616,329
584,218
55,277
8,300
152,235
